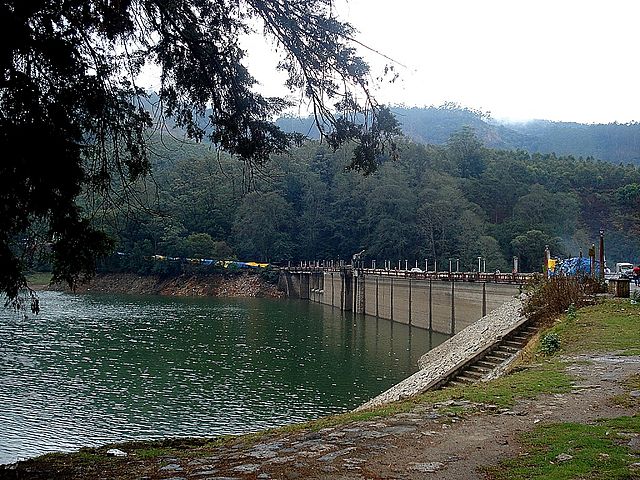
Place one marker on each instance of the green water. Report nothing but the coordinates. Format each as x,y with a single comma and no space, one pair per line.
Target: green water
93,369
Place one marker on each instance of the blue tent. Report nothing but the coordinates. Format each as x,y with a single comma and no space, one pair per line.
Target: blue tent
576,266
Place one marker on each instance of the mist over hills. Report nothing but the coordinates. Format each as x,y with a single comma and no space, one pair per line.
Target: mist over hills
614,142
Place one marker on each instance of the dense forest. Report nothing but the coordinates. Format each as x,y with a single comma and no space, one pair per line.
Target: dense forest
458,200
613,142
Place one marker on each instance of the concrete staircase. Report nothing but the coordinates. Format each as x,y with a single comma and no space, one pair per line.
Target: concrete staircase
502,352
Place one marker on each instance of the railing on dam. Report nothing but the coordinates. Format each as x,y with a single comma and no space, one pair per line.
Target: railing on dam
495,277
444,302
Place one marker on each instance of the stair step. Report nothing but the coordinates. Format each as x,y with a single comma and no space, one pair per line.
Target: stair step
472,373
519,338
454,384
485,364
465,379
512,344
497,360
479,368
504,351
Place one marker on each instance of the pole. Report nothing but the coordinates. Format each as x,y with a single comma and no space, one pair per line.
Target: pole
601,254
547,257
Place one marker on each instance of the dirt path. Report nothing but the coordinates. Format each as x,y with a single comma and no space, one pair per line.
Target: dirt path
430,442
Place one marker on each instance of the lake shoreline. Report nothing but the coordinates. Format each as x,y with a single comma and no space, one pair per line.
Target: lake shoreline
237,285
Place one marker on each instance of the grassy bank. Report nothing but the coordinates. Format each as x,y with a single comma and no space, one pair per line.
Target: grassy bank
39,279
595,451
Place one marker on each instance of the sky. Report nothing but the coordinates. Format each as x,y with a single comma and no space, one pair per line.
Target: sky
561,60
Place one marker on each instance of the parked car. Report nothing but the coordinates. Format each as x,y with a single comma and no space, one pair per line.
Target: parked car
624,268
415,270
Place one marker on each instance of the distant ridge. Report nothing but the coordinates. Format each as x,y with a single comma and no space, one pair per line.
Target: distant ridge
614,142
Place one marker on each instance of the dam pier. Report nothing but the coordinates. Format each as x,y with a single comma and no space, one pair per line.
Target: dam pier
444,302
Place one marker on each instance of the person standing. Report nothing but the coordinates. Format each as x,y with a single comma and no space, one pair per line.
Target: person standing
636,275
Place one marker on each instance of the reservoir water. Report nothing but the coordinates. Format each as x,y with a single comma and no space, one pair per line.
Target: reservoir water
94,369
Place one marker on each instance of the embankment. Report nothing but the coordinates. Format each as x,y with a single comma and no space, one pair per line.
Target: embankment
192,285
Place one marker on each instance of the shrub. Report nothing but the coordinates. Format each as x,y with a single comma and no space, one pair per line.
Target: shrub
549,298
550,343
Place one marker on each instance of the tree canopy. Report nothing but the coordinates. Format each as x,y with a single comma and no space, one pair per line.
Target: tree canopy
418,208
73,120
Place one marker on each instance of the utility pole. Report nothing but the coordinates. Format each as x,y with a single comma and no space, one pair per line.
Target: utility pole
601,254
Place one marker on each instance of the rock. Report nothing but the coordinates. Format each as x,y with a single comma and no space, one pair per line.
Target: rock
564,457
114,452
172,467
429,467
373,434
399,430
247,468
203,473
329,457
635,394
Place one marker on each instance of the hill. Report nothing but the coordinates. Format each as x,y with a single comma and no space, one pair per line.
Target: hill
614,142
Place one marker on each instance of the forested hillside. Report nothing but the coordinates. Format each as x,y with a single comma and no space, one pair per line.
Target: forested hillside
459,200
617,143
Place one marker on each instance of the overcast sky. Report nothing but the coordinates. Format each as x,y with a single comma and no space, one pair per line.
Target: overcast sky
565,60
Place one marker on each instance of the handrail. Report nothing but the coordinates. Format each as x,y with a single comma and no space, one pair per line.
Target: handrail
494,277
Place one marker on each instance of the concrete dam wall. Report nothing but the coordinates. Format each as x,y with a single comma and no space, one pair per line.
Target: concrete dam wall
438,304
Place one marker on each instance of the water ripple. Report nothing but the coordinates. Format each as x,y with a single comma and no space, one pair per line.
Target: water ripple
93,369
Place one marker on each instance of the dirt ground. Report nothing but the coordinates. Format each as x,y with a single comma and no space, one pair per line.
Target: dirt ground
429,442
423,443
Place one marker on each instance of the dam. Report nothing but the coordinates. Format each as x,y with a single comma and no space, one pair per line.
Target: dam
443,302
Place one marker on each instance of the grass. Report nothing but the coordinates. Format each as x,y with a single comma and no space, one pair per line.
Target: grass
611,326
597,452
625,399
38,278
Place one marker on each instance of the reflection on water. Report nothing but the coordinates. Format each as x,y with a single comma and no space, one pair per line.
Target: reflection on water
92,369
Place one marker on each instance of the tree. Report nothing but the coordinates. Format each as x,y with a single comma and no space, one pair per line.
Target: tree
530,246
75,120
262,228
465,150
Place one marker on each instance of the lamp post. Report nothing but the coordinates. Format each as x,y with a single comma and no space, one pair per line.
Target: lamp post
601,254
